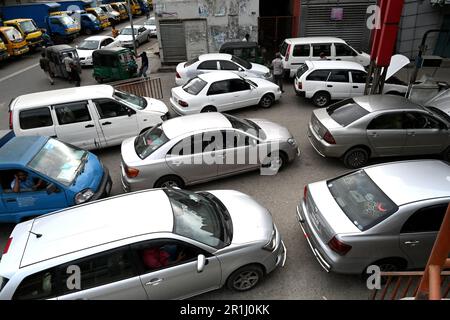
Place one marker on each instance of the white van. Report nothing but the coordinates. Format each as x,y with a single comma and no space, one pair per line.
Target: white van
89,117
295,51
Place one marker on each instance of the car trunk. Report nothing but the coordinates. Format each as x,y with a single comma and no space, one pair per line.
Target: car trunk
321,122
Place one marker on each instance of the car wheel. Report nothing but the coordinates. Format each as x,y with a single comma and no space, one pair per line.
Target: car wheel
169,182
321,99
245,278
209,109
276,161
446,154
266,101
387,265
356,158
88,31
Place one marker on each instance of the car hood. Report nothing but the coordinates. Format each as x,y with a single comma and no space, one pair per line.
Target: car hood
85,53
154,105
123,37
273,131
128,152
90,177
251,221
259,69
398,61
440,101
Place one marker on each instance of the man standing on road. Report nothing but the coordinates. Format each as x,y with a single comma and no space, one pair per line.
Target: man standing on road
44,63
144,64
277,67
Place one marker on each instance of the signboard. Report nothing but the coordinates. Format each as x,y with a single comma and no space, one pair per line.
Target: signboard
337,14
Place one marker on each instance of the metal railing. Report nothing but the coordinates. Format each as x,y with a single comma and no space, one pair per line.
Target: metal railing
144,87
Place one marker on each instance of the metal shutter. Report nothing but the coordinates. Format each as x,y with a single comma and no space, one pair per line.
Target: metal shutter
173,41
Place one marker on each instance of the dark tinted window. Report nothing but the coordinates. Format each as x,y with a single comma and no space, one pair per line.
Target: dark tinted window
359,77
55,21
72,112
318,75
388,121
344,50
346,112
41,285
338,76
99,269
301,50
319,48
107,41
35,118
108,108
208,65
219,87
194,86
425,220
283,48
238,85
301,70
228,65
416,120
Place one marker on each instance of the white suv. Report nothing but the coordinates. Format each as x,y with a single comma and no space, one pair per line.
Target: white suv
324,81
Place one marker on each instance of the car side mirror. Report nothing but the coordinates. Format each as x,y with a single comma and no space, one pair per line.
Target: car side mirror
240,69
130,112
51,188
201,262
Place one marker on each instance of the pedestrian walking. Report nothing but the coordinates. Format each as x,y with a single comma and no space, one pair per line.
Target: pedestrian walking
277,67
144,65
147,13
47,41
44,63
114,31
75,74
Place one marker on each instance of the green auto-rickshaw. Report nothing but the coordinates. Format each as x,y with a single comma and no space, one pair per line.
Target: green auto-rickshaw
113,64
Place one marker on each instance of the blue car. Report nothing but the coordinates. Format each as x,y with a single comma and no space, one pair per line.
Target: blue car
40,175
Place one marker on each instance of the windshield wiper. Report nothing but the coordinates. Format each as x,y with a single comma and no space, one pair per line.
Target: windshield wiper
81,166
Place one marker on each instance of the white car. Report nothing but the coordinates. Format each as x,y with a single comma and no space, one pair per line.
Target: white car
150,24
211,62
90,44
141,35
222,91
324,81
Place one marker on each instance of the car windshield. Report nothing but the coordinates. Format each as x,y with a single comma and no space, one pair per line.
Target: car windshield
65,20
361,199
198,218
99,11
346,112
128,31
59,161
149,141
13,34
3,282
247,65
245,125
439,113
194,86
88,45
128,98
283,48
28,26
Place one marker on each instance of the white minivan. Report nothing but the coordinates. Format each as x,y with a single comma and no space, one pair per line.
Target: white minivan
89,117
295,51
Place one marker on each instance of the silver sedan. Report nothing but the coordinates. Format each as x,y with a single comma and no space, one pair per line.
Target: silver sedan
378,126
386,215
202,147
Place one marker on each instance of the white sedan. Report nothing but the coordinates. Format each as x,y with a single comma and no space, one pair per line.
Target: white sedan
211,62
90,44
222,91
141,35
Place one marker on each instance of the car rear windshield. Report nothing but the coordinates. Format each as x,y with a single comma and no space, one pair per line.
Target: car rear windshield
247,65
361,199
3,282
149,141
301,70
190,62
346,112
283,48
194,86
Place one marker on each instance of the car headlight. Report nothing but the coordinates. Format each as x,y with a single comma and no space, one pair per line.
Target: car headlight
272,244
83,196
292,142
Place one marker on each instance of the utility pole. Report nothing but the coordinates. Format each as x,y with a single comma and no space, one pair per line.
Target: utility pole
130,16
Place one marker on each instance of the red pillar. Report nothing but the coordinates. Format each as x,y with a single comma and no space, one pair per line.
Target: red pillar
295,18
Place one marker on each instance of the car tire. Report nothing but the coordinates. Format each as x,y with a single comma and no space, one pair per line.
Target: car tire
209,109
356,158
321,99
282,157
88,31
266,101
386,265
245,278
169,182
446,154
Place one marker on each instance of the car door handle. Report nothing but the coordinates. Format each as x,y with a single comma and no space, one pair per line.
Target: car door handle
338,59
154,282
355,87
412,243
89,126
329,86
107,123
11,200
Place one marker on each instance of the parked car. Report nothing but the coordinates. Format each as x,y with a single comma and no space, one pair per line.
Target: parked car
193,149
210,62
90,117
203,242
324,81
113,15
90,44
150,24
386,215
222,91
141,35
378,126
53,175
295,51
441,101
246,50
114,64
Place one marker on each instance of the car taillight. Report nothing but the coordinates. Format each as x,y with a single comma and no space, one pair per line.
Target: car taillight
131,172
300,86
8,243
329,138
183,103
178,75
286,58
305,191
338,246
10,121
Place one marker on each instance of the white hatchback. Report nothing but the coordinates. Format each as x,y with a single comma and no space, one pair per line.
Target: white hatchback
211,62
89,45
222,91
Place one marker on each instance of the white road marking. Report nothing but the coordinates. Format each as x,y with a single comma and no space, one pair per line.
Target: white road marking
19,72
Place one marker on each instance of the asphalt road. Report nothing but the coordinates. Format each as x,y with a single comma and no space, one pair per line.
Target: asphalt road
302,277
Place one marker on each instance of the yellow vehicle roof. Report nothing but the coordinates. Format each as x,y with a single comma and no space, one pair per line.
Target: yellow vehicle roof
17,20
58,13
6,28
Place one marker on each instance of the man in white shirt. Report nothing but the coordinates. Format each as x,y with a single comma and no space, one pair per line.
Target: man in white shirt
277,67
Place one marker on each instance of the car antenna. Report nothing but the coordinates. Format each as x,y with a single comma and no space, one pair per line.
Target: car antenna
38,235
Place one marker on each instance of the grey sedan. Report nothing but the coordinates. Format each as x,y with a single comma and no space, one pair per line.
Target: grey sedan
378,126
202,147
386,215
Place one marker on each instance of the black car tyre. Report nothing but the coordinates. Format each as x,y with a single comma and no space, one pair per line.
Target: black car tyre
266,100
321,99
169,182
356,158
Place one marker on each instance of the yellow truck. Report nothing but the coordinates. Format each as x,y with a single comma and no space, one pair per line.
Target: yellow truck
120,8
3,51
13,40
101,16
135,8
29,31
